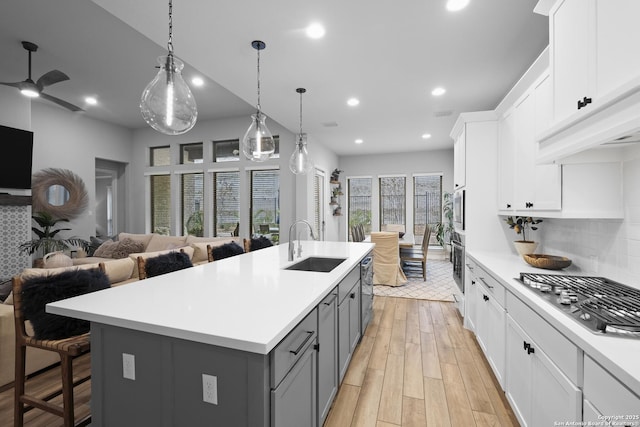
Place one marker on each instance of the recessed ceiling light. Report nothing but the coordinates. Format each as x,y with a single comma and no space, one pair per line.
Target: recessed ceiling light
426,135
353,102
197,81
315,31
438,91
359,141
456,5
91,100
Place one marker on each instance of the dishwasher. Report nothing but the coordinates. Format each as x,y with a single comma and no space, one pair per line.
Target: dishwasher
366,280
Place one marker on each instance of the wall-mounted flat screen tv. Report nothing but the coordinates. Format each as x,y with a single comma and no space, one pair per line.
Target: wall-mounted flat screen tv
15,158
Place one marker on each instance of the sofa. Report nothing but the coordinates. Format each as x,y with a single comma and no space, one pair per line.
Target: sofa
120,271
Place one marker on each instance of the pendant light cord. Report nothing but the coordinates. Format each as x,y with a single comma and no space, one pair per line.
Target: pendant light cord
300,114
259,108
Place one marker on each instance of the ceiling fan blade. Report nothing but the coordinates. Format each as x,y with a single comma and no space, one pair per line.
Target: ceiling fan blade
52,77
11,84
60,102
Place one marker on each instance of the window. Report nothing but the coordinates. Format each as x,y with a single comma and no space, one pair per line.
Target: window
226,151
276,142
226,202
427,204
160,156
191,153
161,204
192,206
265,198
359,203
392,200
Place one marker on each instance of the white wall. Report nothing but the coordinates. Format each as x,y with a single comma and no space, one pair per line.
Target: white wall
609,248
15,109
393,164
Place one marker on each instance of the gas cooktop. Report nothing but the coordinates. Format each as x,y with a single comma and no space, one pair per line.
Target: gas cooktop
597,303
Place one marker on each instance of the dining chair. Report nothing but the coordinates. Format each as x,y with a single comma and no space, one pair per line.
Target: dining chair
356,235
66,336
418,254
387,269
361,234
393,227
162,264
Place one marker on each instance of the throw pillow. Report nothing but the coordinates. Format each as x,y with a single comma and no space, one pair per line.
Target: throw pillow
260,243
37,292
227,250
166,263
125,247
105,250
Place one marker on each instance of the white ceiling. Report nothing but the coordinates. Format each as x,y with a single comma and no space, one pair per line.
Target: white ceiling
388,54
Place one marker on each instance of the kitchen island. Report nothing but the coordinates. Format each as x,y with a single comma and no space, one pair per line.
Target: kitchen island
214,344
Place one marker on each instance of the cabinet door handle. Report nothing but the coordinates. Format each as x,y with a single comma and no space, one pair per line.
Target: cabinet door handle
484,297
528,205
473,282
508,205
353,295
301,346
583,102
526,345
531,350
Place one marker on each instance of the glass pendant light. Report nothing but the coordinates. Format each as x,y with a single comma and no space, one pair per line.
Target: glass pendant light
257,143
299,163
167,104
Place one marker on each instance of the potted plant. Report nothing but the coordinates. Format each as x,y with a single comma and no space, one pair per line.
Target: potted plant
445,228
48,240
520,224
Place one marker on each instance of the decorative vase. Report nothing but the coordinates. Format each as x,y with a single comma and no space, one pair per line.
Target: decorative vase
525,246
57,259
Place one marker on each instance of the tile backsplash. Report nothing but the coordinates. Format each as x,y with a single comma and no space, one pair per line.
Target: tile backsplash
609,248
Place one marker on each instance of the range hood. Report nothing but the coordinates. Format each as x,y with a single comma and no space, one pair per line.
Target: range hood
611,121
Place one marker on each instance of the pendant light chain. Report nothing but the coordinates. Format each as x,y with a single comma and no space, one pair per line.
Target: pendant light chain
170,42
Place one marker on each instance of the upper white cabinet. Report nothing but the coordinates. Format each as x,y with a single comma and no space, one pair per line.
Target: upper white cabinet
593,45
524,185
459,160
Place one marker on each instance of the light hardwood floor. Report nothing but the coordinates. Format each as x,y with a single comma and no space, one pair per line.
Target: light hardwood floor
415,366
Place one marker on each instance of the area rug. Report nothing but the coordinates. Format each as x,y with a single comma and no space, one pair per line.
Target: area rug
438,287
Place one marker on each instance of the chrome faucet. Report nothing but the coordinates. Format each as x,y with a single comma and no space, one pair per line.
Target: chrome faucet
291,251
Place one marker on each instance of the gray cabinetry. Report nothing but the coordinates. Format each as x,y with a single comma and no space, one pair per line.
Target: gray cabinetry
348,318
327,354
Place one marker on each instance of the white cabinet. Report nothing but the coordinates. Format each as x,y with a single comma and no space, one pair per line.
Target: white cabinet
470,296
538,186
605,395
459,160
592,45
538,391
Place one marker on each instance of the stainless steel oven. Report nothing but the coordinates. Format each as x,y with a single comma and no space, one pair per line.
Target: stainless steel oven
458,209
457,259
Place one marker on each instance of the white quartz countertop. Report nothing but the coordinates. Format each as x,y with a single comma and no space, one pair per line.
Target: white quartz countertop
247,302
617,355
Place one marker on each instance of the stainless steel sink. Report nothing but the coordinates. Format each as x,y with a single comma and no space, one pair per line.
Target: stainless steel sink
317,264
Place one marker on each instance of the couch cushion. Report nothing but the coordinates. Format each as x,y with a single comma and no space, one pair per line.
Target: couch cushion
159,242
39,291
260,242
29,273
119,270
143,238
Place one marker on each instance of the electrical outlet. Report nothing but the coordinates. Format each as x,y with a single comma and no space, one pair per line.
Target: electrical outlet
129,366
210,389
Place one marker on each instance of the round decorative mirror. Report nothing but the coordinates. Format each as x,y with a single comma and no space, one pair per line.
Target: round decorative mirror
59,192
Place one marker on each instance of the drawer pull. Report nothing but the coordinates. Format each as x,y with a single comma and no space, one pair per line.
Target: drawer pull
332,300
488,285
353,295
526,345
531,350
470,267
301,346
484,297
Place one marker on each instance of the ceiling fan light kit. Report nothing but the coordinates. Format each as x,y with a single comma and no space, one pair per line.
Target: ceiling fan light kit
33,89
167,104
300,163
258,144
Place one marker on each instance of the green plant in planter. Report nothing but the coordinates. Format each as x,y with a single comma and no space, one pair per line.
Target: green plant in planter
520,224
444,229
47,240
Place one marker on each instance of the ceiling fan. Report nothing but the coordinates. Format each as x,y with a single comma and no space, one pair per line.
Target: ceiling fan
34,89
